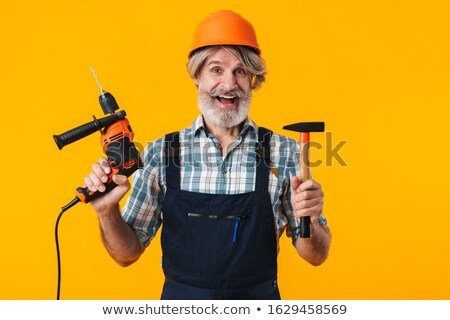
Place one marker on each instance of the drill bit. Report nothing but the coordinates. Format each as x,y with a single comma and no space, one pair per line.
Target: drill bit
107,101
96,80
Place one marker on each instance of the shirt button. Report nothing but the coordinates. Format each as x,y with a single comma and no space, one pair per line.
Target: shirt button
224,171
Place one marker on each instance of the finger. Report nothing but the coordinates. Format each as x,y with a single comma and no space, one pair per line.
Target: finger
98,185
308,195
305,204
88,183
121,180
309,185
99,171
310,212
105,165
295,183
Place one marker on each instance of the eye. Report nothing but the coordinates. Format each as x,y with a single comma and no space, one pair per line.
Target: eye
240,72
215,70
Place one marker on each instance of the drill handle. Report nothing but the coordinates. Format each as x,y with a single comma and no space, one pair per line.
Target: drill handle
85,195
86,129
123,157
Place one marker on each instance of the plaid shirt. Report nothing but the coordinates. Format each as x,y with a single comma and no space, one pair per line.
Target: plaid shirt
205,170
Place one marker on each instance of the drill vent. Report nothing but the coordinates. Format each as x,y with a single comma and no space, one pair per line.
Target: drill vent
116,137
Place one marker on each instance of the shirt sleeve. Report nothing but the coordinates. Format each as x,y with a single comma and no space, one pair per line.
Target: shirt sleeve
142,211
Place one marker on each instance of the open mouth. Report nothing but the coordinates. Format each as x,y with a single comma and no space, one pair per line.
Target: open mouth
228,100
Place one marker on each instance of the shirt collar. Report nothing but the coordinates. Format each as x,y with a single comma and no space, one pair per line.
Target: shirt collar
198,126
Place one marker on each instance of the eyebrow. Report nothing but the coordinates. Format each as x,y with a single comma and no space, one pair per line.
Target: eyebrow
214,62
220,62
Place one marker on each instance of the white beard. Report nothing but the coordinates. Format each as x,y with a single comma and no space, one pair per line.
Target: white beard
220,117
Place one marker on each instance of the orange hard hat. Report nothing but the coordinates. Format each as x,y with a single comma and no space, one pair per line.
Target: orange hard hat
224,27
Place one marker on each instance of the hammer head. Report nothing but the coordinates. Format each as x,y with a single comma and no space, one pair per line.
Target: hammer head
306,127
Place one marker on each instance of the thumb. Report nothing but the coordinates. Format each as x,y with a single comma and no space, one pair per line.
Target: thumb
121,180
295,183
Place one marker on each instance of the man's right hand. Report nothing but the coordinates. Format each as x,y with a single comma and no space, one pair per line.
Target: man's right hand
95,182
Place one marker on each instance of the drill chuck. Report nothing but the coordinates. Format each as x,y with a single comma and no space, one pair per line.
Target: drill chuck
108,103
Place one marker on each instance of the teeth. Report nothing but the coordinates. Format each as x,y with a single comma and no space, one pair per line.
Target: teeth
227,97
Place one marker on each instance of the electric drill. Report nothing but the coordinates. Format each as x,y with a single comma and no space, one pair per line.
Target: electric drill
116,140
117,143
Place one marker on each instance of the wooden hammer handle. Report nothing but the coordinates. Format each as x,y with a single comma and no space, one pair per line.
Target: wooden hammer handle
304,156
305,222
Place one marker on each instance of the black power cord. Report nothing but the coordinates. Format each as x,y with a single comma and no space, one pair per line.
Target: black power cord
58,255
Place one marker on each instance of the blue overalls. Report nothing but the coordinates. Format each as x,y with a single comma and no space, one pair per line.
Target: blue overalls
218,246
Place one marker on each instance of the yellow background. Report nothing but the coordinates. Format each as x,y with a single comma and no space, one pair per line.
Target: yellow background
377,72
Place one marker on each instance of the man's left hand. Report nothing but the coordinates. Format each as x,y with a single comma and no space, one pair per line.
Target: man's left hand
306,198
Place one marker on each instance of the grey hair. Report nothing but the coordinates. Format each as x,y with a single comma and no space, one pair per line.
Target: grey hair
252,61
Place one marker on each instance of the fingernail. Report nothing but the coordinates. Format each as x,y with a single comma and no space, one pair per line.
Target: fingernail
105,166
101,189
104,178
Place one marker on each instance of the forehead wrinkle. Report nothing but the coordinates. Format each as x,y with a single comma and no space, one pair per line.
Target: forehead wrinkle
218,62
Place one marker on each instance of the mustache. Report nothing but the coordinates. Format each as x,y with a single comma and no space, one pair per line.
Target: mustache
221,92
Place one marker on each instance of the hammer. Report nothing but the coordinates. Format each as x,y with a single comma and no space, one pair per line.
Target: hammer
305,128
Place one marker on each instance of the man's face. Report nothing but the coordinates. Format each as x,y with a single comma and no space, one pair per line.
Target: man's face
224,88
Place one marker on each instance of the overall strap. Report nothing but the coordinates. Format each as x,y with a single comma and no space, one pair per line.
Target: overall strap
172,159
263,159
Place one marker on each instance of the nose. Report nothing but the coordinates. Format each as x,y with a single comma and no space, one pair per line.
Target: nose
229,81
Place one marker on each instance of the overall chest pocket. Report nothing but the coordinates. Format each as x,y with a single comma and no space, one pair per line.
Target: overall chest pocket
228,226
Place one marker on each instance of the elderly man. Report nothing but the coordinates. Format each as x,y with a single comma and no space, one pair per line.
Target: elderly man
223,190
